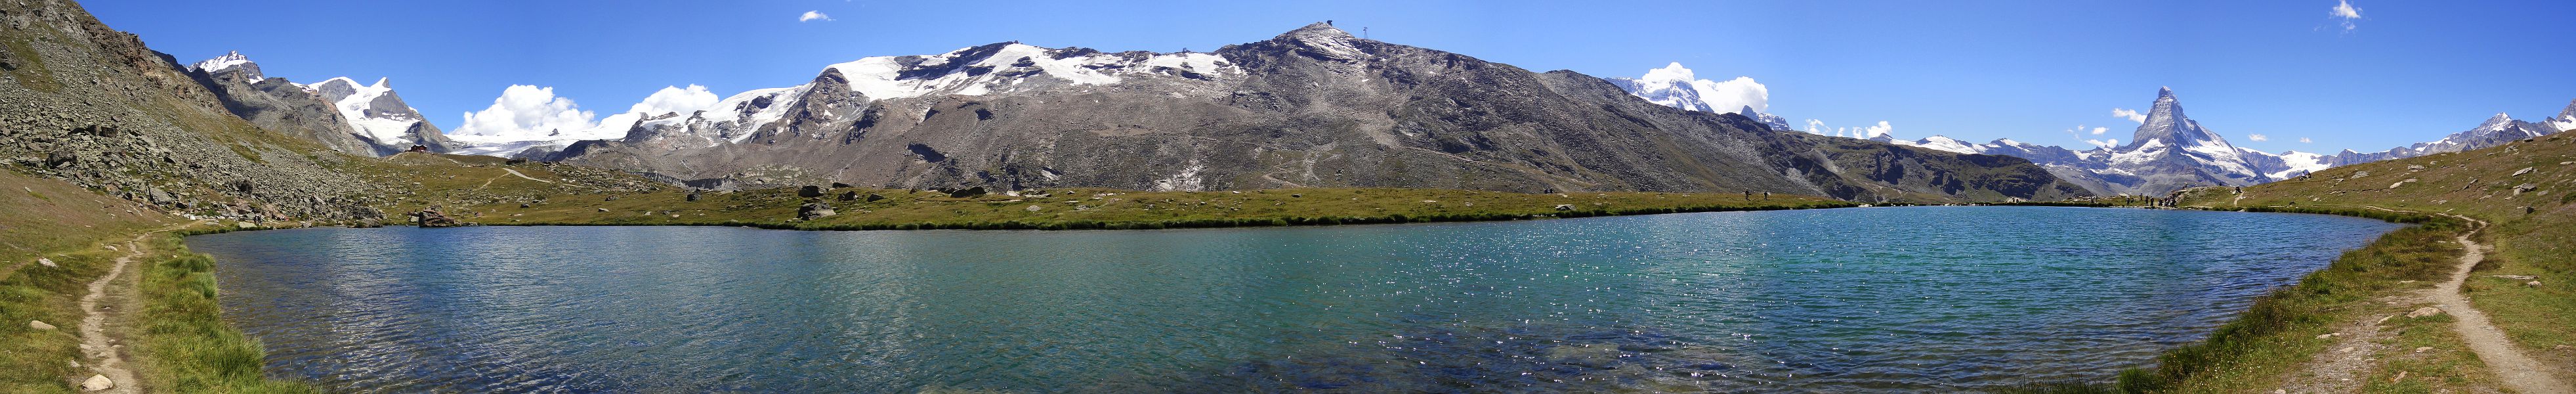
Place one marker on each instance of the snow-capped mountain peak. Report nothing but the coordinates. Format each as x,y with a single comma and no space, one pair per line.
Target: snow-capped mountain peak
229,60
990,68
219,63
2167,122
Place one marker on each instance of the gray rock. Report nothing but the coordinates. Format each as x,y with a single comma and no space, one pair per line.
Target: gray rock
2424,311
96,383
813,210
1565,207
809,191
39,325
2524,170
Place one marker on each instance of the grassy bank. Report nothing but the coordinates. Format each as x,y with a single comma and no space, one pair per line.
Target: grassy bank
186,346
2525,190
52,221
2279,331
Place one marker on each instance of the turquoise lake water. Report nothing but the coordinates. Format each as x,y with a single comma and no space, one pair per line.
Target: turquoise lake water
1841,300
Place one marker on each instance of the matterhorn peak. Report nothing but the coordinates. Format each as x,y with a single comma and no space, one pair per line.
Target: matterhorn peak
2167,124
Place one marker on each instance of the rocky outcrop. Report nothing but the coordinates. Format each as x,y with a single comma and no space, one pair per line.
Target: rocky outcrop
93,106
431,217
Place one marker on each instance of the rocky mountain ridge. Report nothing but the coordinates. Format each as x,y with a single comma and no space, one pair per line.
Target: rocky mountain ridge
1314,107
2170,152
339,112
85,103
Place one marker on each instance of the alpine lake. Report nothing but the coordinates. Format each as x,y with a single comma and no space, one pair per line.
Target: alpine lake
1903,299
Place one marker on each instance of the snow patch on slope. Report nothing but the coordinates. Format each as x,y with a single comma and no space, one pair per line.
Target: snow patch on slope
384,126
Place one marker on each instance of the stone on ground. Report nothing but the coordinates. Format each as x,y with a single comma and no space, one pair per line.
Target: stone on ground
97,382
2424,311
39,325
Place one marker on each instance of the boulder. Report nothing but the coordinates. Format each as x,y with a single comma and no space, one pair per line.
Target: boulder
813,210
849,196
2524,170
2424,311
809,191
97,382
39,325
873,197
2531,284
603,209
46,262
693,196
1565,207
431,217
968,192
838,185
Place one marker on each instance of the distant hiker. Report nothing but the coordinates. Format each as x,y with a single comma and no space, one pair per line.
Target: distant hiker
1766,195
1748,194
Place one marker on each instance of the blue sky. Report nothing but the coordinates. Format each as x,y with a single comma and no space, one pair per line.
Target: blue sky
2032,71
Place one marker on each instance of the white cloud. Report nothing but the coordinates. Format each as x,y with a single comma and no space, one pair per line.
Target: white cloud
1729,96
672,99
1882,129
2344,10
2258,137
530,112
813,15
2104,143
2304,140
2099,130
2133,116
1815,127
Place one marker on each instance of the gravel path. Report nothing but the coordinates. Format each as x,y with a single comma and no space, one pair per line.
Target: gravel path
105,356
